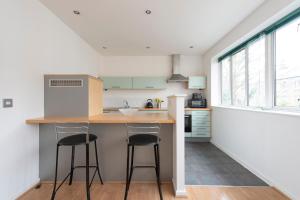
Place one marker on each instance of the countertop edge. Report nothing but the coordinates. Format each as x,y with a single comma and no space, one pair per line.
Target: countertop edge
110,120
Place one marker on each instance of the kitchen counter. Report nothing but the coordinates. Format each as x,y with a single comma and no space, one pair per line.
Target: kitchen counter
109,118
157,109
153,109
195,109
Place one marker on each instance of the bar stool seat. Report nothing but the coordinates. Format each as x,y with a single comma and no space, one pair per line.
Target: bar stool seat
76,139
143,139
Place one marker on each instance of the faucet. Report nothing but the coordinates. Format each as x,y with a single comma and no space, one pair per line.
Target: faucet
126,105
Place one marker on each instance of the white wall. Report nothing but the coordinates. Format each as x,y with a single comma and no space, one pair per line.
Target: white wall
146,66
268,144
33,42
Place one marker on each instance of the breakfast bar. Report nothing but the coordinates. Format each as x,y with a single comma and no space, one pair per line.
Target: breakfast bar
110,128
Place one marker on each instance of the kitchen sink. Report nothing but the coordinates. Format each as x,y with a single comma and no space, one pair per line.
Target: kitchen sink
128,111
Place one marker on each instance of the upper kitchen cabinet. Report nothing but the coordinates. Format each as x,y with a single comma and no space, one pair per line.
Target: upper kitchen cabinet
117,82
156,83
197,82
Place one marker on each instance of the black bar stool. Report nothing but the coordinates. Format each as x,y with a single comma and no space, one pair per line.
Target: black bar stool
142,135
78,134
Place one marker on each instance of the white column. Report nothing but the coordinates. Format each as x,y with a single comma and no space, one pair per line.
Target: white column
176,110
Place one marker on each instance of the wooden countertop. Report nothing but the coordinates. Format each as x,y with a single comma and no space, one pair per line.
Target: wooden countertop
153,109
109,118
195,109
166,109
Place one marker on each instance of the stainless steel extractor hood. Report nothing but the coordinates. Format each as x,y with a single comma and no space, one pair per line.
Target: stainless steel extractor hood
176,76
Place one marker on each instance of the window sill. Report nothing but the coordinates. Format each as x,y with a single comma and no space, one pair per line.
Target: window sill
295,113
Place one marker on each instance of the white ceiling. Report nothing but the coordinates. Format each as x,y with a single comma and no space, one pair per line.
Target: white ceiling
173,26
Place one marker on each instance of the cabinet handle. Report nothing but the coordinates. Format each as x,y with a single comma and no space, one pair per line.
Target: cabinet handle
115,86
149,87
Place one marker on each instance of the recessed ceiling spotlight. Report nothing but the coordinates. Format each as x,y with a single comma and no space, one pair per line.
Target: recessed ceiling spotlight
147,47
191,47
148,12
104,47
76,12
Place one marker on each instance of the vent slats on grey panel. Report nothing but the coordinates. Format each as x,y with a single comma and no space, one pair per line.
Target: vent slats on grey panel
65,83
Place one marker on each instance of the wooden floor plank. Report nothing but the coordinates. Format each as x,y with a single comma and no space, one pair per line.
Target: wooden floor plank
149,191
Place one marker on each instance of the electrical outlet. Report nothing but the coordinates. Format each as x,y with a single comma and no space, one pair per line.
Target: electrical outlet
7,103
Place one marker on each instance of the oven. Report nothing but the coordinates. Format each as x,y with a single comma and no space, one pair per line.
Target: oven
188,123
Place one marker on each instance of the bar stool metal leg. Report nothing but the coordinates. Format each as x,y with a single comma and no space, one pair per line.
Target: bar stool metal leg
131,165
157,169
127,173
97,162
87,146
72,165
55,178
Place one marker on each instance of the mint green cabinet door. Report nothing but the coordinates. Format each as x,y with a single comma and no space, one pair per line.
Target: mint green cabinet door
188,134
197,82
149,82
117,82
200,131
201,124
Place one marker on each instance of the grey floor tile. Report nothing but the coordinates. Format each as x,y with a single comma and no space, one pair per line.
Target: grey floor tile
207,165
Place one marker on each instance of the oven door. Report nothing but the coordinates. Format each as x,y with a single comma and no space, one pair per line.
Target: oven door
188,123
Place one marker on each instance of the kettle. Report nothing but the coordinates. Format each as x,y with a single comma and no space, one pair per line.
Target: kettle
149,103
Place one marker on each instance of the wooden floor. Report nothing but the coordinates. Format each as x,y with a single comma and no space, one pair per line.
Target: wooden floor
148,191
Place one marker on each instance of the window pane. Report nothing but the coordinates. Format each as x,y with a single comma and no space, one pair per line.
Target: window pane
226,95
256,73
288,64
238,78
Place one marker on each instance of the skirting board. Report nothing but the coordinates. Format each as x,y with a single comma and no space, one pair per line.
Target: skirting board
255,172
29,188
179,193
50,182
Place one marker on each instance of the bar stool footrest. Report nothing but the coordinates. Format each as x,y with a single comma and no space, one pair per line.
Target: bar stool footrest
76,167
144,166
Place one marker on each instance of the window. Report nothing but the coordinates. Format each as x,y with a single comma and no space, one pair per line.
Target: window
226,90
287,62
239,79
252,77
256,73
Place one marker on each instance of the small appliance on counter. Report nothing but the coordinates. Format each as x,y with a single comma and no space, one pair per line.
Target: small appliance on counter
197,101
149,103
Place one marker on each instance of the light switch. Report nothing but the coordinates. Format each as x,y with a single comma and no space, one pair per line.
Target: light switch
7,103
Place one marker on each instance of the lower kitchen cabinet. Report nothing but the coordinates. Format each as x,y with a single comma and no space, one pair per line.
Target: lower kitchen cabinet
201,124
188,134
200,131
